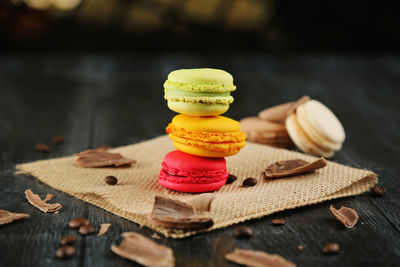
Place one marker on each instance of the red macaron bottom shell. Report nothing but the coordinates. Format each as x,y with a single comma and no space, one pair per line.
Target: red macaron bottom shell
191,185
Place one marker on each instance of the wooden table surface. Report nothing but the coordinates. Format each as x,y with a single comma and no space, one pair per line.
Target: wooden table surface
117,100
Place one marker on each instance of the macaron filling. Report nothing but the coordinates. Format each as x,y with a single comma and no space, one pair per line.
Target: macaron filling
195,97
200,87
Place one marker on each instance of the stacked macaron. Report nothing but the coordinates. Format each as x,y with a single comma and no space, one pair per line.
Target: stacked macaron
202,137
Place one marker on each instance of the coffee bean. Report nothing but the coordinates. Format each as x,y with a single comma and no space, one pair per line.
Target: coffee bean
78,222
42,147
86,229
248,182
243,232
67,240
231,178
65,251
378,191
278,221
59,139
111,180
331,248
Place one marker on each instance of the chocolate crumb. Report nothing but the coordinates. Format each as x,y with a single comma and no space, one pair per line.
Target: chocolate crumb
231,179
68,240
331,248
86,229
104,228
58,139
65,252
248,182
243,232
111,180
41,147
300,247
378,191
78,222
278,222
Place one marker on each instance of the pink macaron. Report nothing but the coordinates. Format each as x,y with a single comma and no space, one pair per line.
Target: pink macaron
192,174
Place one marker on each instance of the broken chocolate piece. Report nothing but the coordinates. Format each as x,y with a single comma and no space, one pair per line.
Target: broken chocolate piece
58,139
249,182
8,217
378,191
347,216
78,222
65,252
104,228
36,201
176,214
86,229
278,222
331,248
243,232
231,178
202,202
256,258
42,147
144,251
293,167
100,158
48,197
68,240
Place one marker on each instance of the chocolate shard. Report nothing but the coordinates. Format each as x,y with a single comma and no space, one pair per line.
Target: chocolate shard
202,202
37,202
293,167
347,216
48,197
104,228
144,251
256,258
100,158
170,213
8,217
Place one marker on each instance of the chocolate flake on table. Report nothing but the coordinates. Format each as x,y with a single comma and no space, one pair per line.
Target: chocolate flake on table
278,222
104,228
111,180
144,251
331,248
78,222
65,252
378,191
202,202
36,201
299,102
256,258
347,216
41,147
68,240
48,197
101,158
8,217
171,213
231,178
86,229
58,139
249,182
293,167
243,232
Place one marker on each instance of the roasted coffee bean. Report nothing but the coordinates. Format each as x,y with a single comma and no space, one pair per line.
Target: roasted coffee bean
65,252
59,139
86,229
78,222
331,248
278,221
42,147
111,180
68,240
378,191
248,182
231,178
243,232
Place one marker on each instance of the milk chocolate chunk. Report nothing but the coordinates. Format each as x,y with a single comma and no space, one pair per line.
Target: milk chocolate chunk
144,251
277,113
101,158
287,168
104,228
37,202
176,214
331,248
347,216
256,258
8,217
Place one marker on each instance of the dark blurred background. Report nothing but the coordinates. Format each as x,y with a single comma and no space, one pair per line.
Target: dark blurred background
209,26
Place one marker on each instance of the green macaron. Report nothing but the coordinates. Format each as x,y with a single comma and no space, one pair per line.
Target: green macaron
199,92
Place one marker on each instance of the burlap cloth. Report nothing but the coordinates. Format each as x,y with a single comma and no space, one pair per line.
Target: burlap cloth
133,196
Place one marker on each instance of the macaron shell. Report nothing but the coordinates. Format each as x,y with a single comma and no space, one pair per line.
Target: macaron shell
324,121
302,141
187,164
312,133
202,76
202,152
277,113
190,187
212,124
197,109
